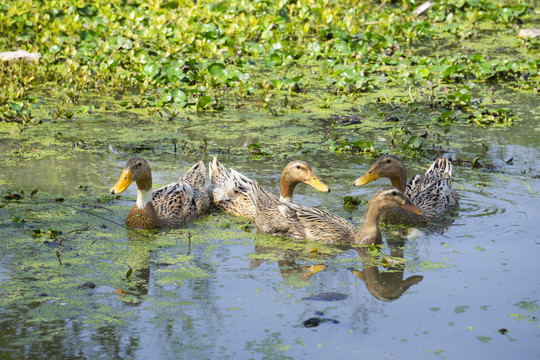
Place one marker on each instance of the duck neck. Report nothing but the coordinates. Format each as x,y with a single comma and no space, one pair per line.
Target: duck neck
369,232
286,188
400,180
143,215
144,194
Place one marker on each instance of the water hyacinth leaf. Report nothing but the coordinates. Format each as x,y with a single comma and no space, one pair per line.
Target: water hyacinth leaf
512,65
173,72
141,56
342,47
178,96
16,107
275,59
88,10
447,115
218,70
276,83
209,31
54,49
203,102
237,75
256,47
314,48
151,69
283,13
416,142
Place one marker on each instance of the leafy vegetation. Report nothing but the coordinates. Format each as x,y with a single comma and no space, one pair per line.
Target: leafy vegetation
212,55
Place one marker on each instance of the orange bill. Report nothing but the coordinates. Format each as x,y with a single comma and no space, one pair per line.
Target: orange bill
123,183
410,207
317,184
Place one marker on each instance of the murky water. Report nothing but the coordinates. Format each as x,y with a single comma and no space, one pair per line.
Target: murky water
216,289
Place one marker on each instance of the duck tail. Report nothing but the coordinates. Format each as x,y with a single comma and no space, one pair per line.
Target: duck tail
219,175
442,167
195,176
258,196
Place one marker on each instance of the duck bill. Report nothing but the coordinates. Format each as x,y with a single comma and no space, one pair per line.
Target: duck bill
366,178
412,208
123,183
317,184
316,268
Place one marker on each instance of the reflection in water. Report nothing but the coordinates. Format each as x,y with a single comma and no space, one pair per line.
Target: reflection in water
388,285
287,261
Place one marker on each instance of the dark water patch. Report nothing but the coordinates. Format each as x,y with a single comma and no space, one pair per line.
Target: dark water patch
328,296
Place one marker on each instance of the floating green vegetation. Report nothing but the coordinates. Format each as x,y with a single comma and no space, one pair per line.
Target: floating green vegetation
461,309
271,347
485,339
62,271
351,144
529,306
432,265
352,202
211,56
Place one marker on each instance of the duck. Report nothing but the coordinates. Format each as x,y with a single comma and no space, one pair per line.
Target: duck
433,193
230,189
169,206
319,225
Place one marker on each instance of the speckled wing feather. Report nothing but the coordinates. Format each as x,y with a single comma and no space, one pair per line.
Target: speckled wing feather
230,191
434,193
183,200
195,176
268,219
316,224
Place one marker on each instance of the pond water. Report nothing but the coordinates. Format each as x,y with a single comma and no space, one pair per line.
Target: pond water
216,289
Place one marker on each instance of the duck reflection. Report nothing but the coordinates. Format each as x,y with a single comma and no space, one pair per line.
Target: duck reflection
137,277
301,261
388,285
291,257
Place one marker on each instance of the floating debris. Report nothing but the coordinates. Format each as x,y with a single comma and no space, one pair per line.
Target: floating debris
87,285
529,33
316,321
11,56
327,296
422,8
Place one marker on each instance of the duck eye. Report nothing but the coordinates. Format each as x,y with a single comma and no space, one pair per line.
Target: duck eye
298,167
388,161
394,193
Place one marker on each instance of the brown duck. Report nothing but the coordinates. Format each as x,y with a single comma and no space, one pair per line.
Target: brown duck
319,225
231,190
171,205
433,193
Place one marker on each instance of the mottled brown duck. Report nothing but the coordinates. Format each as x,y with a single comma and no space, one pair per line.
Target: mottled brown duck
433,193
169,206
230,190
319,225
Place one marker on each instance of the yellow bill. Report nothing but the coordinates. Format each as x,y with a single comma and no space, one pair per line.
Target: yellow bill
313,269
123,183
366,178
317,184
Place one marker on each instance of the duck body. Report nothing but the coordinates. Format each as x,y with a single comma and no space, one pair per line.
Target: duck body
169,206
433,193
319,225
231,191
